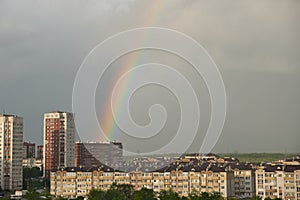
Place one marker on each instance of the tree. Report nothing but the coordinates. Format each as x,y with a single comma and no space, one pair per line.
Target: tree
256,198
96,194
168,195
215,196
194,195
32,178
61,198
268,198
144,194
205,196
32,194
127,190
33,172
115,192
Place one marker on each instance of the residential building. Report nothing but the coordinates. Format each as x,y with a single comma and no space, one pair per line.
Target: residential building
72,182
11,152
32,162
40,152
278,181
59,141
288,161
244,180
28,150
96,153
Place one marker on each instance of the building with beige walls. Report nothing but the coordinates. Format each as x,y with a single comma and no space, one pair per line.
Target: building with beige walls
182,178
278,181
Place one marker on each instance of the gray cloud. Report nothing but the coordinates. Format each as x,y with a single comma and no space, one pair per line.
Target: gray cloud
254,43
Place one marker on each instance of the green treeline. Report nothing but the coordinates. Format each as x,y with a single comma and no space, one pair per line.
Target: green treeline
126,192
259,157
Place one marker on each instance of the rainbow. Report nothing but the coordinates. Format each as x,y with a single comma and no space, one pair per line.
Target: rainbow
107,122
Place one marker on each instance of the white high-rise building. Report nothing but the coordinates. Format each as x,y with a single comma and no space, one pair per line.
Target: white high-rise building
59,141
11,152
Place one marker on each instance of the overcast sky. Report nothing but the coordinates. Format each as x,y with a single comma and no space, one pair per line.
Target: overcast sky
255,44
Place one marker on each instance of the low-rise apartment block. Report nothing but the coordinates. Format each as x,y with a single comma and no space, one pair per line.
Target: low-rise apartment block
244,180
182,178
278,181
184,175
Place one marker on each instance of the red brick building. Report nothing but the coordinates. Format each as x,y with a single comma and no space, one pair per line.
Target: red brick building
59,141
40,152
28,150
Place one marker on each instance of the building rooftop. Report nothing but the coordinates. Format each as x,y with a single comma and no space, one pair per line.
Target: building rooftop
103,168
8,115
285,168
57,111
137,167
99,142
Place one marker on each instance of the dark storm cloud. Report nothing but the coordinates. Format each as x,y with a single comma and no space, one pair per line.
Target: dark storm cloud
254,43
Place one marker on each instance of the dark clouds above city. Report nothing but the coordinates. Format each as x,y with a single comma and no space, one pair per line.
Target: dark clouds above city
255,44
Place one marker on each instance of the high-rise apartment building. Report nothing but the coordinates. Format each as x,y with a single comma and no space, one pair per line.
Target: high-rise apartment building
40,152
28,150
95,153
59,141
11,152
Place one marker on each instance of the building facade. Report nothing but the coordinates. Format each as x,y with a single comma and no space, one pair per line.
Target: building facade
11,152
59,141
244,180
40,152
78,181
28,150
96,153
278,181
32,162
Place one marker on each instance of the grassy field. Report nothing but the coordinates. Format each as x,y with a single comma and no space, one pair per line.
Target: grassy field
259,157
243,157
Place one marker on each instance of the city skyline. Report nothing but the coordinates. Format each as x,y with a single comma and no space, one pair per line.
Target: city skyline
156,100
78,140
